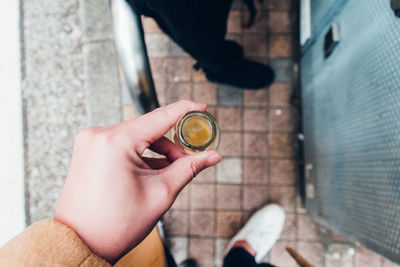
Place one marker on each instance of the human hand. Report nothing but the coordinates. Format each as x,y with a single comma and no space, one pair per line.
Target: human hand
113,196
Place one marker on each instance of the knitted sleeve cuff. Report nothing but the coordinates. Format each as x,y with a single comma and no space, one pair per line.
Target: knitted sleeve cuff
48,243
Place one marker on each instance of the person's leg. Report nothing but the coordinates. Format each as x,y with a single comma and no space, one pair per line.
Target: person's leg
169,258
256,238
199,27
239,257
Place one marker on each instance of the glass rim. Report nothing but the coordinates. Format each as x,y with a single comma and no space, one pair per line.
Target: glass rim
205,115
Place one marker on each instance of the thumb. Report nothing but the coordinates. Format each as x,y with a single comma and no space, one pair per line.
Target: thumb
182,170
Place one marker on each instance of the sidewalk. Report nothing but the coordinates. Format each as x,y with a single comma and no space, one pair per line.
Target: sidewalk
258,144
70,81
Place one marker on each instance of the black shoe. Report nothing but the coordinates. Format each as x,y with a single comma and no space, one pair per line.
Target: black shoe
244,74
189,263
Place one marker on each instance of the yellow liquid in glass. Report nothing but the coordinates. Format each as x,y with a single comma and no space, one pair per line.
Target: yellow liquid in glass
196,130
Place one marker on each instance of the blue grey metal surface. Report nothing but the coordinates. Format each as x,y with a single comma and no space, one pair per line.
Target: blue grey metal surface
321,11
322,14
351,121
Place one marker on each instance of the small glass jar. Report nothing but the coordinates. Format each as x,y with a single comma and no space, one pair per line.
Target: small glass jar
197,131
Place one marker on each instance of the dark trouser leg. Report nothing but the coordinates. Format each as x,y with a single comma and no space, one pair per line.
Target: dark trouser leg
198,26
239,257
170,259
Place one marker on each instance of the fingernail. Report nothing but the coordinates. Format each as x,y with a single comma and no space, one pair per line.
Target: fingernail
214,158
203,106
202,155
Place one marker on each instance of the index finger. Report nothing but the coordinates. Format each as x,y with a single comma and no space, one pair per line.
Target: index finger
154,125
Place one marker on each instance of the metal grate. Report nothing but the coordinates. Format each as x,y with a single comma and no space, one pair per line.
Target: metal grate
351,103
321,10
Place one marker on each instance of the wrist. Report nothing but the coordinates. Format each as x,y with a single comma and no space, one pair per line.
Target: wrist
95,243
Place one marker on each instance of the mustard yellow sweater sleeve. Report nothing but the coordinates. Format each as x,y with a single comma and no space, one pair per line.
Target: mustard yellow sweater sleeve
48,243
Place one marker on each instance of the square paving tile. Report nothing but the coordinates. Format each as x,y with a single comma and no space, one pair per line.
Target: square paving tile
206,176
182,200
235,22
285,196
282,120
157,45
202,196
229,96
284,171
229,170
228,197
255,98
178,91
179,69
260,24
307,229
199,76
159,69
246,216
314,252
228,223
202,250
176,223
283,69
229,118
279,4
365,257
212,110
279,22
280,46
281,145
231,144
205,92
255,171
202,223
280,95
255,119
254,44
254,197
280,257
150,25
256,145
289,232
388,263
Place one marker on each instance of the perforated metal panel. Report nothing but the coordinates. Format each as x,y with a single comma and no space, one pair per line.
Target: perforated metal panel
322,10
351,109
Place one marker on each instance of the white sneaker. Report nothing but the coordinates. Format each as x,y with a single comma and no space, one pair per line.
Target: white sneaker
262,230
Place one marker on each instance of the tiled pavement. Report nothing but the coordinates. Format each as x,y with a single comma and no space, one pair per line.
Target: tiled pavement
258,145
